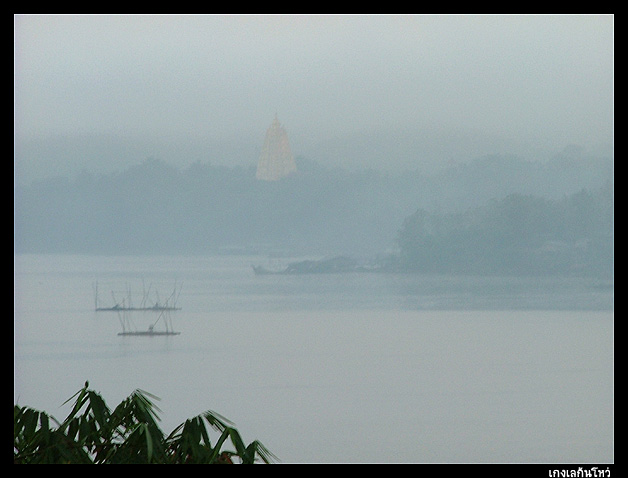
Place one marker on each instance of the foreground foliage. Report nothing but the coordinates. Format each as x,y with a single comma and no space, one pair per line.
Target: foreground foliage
93,434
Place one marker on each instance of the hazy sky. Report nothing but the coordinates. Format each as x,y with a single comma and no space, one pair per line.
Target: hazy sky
225,77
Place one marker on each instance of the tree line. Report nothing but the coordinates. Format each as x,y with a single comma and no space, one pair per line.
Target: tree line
494,214
519,234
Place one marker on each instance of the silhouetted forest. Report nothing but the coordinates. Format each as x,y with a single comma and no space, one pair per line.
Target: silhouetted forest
515,235
495,214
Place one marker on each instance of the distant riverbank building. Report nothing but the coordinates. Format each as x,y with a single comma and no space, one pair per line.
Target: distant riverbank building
276,160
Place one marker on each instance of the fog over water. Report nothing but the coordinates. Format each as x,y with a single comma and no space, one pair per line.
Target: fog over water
454,184
335,368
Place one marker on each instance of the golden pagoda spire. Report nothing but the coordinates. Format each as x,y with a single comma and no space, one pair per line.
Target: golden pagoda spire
276,160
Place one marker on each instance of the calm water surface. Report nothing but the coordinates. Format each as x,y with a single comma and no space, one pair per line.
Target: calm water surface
333,368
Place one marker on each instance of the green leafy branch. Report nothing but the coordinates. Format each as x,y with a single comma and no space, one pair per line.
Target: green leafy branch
93,434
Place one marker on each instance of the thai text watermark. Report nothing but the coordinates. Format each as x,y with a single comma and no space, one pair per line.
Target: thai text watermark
580,472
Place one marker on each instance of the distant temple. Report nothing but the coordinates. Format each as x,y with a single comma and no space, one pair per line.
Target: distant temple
276,160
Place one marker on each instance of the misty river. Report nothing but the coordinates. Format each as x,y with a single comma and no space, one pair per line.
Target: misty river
353,367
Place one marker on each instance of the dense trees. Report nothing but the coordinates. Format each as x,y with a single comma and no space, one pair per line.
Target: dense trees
495,214
93,434
155,208
519,234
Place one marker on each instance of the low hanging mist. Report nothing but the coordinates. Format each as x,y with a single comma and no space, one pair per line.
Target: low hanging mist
494,214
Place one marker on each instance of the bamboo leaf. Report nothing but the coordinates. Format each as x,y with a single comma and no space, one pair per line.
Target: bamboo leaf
91,433
215,453
149,443
99,408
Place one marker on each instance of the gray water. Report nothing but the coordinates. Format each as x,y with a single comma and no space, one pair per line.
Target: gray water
333,368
